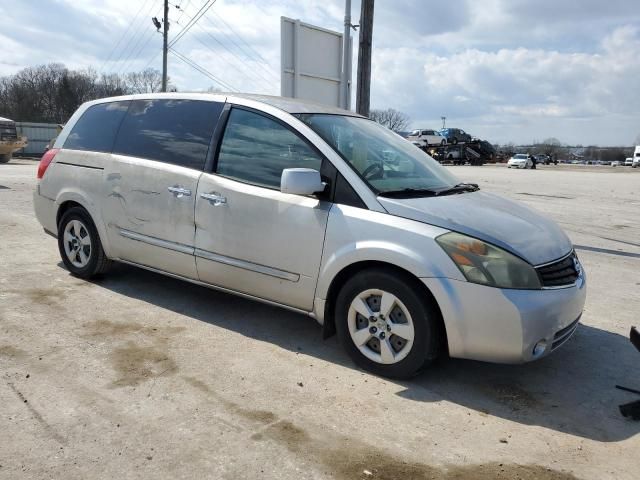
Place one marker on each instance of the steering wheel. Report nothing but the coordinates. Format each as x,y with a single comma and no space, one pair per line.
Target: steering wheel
375,170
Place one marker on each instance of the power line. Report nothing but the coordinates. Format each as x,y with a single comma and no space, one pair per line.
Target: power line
113,50
143,35
128,63
201,69
206,6
257,74
254,58
257,54
182,11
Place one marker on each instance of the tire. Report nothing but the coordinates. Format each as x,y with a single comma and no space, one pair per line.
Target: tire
443,143
84,260
454,141
5,158
410,313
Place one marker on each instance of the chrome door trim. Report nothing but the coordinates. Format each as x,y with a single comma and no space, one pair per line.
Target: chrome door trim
234,262
254,267
178,247
216,287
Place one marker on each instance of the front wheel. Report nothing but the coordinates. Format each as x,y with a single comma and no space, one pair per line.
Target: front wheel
79,244
386,324
5,158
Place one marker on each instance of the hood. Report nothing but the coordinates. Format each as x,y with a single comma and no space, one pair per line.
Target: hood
496,220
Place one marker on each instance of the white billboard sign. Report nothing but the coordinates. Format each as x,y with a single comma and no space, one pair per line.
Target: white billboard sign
311,63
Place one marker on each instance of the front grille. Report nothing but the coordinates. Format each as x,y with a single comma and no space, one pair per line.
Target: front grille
561,273
8,131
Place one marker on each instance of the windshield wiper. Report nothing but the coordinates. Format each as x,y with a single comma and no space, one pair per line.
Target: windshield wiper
409,192
460,188
425,192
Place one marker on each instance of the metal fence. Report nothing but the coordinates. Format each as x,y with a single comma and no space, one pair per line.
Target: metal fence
39,135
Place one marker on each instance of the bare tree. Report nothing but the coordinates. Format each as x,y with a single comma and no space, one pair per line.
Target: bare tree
51,93
391,118
146,81
551,146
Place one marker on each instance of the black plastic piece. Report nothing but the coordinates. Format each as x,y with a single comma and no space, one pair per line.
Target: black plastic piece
631,410
345,194
634,336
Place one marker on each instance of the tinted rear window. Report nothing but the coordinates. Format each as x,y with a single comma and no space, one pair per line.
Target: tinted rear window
169,130
97,127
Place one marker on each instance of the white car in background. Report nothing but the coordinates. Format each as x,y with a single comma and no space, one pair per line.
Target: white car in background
426,138
520,160
628,162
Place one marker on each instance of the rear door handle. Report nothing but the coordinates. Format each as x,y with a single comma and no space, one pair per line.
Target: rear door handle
214,198
179,192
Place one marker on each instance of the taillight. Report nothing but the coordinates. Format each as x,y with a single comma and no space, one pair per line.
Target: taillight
45,161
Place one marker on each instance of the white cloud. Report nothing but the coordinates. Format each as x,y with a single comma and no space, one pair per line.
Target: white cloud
501,69
513,88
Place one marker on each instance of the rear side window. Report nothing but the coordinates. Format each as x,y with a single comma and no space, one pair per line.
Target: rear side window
255,149
172,131
97,127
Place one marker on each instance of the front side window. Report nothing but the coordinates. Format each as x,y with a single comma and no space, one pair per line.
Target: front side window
172,131
386,161
96,129
255,149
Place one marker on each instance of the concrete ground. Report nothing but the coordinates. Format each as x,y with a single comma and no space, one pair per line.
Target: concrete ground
138,375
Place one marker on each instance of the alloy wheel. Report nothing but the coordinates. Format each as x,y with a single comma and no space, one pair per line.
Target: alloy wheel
380,326
77,243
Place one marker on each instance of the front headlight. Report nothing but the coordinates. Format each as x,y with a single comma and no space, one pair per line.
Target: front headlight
485,264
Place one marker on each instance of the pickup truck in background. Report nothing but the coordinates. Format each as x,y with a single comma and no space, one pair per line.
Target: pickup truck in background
9,140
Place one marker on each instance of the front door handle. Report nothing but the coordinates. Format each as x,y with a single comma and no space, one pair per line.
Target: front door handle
214,198
179,192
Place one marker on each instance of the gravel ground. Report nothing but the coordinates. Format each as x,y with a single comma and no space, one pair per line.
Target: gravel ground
138,375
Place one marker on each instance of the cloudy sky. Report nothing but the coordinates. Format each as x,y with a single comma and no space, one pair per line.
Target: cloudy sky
504,70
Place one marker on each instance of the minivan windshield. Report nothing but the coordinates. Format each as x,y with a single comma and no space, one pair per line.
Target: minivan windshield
387,162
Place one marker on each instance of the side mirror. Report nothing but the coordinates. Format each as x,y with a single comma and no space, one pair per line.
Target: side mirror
301,181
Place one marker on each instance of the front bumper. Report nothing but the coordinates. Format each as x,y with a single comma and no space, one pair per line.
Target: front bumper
503,325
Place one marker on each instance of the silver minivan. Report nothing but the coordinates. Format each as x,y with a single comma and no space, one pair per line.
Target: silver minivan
317,210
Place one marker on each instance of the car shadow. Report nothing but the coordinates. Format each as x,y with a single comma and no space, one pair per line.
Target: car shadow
571,391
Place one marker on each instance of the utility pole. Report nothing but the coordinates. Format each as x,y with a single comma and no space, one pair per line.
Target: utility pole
346,57
364,58
444,121
165,37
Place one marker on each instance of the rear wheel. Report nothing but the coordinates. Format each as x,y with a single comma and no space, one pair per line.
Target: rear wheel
386,324
79,244
5,158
